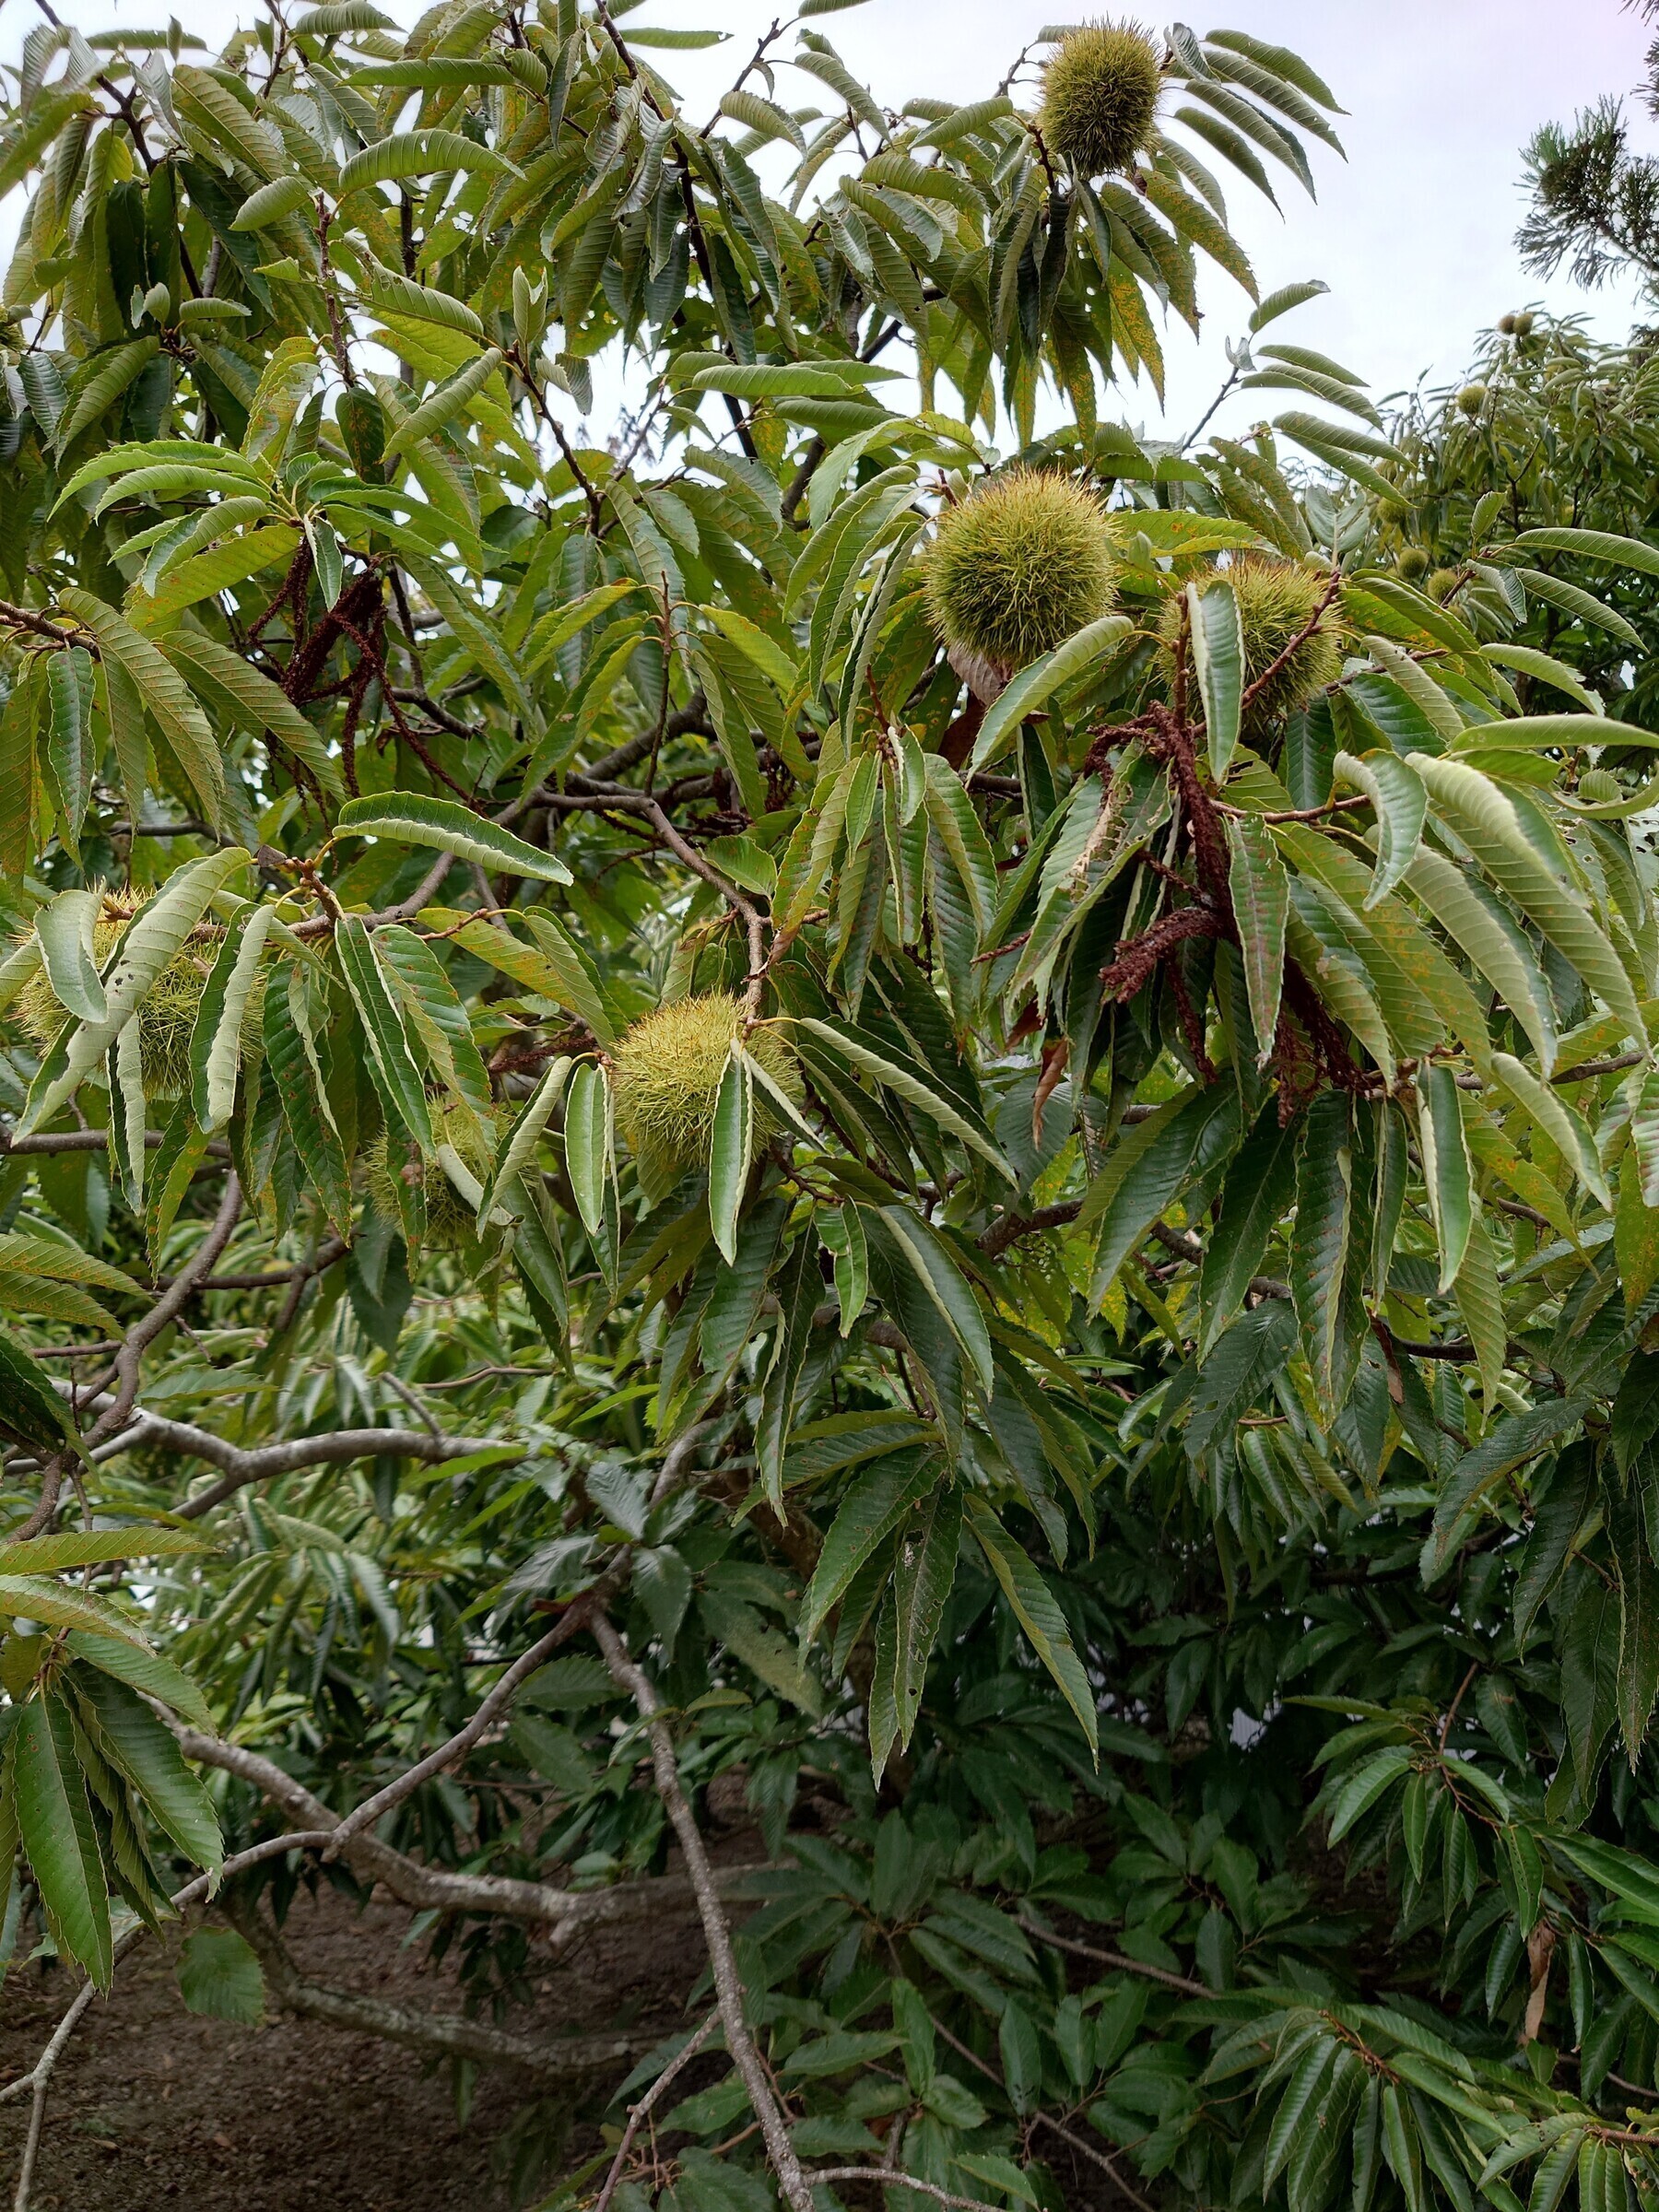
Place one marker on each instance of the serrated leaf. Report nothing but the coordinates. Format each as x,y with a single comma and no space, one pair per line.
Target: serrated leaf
147,1671
216,1040
164,693
589,1142
220,1976
1217,635
392,1060
1036,1611
875,1505
1401,802
144,1750
410,817
731,1148
56,1822
1260,897
64,929
1034,685
1319,1245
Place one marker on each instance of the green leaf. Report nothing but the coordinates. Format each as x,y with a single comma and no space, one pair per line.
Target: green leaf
908,1085
1509,1444
878,1500
56,1822
518,1153
1401,802
390,1058
439,1019
924,1571
220,1976
1319,1245
267,207
216,1039
590,1143
1481,1307
110,375
93,1546
1578,605
1217,632
841,1232
32,1412
1260,897
419,154
164,694
1588,545
1152,1166
1257,1194
254,699
1486,818
296,1070
62,1608
731,1149
939,1275
136,1743
1038,683
1639,1625
408,818
444,404
1565,1128
147,1671
1037,1612
1447,1172
64,929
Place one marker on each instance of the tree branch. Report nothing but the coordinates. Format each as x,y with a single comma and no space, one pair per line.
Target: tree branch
728,1988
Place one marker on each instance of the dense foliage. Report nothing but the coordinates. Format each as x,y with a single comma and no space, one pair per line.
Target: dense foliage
663,1154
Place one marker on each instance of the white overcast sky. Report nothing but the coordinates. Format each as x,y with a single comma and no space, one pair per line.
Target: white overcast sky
1414,234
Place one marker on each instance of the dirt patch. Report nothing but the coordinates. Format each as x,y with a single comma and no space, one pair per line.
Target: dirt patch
152,2106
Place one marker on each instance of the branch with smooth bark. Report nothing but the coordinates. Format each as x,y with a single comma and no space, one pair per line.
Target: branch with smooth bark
125,1370
424,1888
554,2058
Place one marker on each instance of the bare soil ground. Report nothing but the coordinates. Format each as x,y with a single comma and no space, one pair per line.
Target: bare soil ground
153,2107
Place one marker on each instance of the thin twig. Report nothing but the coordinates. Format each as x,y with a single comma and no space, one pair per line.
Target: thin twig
637,2113
728,1987
371,1809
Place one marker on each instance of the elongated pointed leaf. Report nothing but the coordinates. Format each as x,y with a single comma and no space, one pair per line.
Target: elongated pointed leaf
1446,1168
1401,802
589,1143
1318,1248
1260,897
56,1822
870,1511
1038,683
409,818
216,1040
391,1056
1037,1612
1217,635
146,946
63,928
1560,1123
138,1743
947,1285
730,1152
1255,1198
147,1671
